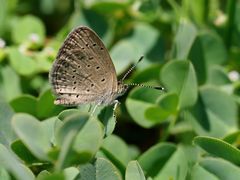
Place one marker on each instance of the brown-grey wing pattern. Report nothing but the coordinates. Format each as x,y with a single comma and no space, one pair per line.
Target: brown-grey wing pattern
79,74
99,52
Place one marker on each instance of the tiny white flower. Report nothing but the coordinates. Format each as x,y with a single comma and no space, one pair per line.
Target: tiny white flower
221,19
233,75
34,37
2,43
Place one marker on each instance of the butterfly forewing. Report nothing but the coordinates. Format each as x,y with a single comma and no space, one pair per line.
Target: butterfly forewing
83,71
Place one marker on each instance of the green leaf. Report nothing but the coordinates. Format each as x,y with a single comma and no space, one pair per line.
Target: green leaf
134,171
138,101
88,142
66,113
4,174
147,74
7,134
154,159
117,147
167,105
66,134
10,89
106,170
143,33
21,150
101,169
25,104
184,39
219,148
179,77
87,172
130,49
106,116
22,64
208,50
176,167
22,34
122,60
46,107
70,173
108,6
218,76
198,173
215,113
11,163
215,169
232,138
36,136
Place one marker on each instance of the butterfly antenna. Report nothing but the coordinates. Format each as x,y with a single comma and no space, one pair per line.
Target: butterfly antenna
133,67
146,86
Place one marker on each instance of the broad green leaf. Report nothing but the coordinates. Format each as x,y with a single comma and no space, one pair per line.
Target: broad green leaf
22,64
215,113
232,138
87,172
199,173
122,60
179,77
148,74
22,34
21,150
12,164
46,107
130,49
220,168
54,176
66,113
4,174
143,33
138,101
100,169
117,147
219,148
208,50
167,105
176,167
218,76
108,6
134,171
96,21
7,134
106,170
106,116
184,39
25,104
43,174
9,88
70,173
87,141
37,136
153,160
66,134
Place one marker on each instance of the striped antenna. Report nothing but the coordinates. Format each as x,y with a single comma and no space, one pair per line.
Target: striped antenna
133,67
140,85
146,86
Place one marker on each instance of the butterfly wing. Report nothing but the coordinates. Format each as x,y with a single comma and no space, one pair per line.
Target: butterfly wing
83,71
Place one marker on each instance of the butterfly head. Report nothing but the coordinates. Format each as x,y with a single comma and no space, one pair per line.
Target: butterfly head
122,88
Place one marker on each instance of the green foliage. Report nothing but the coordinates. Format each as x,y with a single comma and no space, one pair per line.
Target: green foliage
188,131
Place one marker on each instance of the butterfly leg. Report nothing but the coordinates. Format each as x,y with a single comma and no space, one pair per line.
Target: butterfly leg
90,107
116,103
94,109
